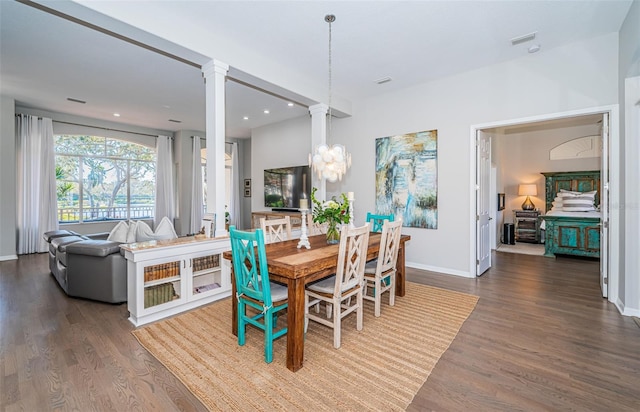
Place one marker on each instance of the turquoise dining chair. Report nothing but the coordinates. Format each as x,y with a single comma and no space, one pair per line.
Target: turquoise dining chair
378,220
254,289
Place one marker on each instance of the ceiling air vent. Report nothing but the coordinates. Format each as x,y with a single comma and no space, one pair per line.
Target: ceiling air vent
383,80
71,99
523,38
175,121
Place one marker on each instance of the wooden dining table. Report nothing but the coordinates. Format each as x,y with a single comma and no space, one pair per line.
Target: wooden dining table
298,267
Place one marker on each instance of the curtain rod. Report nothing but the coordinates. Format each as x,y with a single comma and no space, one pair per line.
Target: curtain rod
107,128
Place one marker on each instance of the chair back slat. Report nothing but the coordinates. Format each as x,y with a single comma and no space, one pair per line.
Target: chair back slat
389,246
314,228
377,221
352,257
276,230
251,274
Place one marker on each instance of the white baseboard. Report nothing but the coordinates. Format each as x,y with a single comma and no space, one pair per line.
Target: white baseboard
631,312
8,257
626,311
445,271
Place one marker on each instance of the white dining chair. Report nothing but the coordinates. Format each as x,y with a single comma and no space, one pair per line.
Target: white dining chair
380,274
337,290
276,230
314,228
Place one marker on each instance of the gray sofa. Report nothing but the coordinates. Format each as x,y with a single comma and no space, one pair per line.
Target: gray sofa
88,266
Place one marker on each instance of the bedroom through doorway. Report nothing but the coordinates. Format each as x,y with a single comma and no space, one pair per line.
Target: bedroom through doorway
522,149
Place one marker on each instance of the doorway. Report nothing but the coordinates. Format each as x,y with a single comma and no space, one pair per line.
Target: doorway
610,149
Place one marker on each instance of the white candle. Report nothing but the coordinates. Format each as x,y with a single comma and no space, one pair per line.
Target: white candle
350,196
304,204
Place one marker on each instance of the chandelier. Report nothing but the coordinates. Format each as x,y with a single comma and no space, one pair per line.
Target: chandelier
330,162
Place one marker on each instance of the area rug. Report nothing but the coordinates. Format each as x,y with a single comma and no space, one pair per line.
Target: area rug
381,367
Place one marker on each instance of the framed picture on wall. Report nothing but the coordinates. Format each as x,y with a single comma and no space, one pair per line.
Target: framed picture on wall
500,201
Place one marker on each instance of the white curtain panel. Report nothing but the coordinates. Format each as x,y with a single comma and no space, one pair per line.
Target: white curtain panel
234,207
165,205
37,200
196,187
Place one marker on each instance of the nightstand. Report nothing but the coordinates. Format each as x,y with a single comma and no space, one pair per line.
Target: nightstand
527,225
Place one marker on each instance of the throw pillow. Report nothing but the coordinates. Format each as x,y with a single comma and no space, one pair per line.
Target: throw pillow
119,232
569,193
131,233
165,228
578,201
164,231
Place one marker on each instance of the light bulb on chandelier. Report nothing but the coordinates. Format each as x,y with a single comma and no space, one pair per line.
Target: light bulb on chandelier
330,162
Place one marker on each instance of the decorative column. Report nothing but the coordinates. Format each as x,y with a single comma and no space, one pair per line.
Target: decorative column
215,73
318,136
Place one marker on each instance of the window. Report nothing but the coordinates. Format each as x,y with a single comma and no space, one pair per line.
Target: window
228,165
99,178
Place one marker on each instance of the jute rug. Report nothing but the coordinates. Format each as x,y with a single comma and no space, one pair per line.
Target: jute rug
381,367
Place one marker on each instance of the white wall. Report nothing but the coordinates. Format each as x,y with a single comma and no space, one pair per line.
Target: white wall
629,66
578,76
278,145
581,75
7,179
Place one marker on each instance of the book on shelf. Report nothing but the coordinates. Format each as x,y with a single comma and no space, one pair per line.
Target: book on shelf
205,288
158,294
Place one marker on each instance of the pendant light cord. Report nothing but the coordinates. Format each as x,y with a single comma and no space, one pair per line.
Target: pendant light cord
330,18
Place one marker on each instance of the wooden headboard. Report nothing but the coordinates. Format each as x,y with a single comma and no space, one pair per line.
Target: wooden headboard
574,181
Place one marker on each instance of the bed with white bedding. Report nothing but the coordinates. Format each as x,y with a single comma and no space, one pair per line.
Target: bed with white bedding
572,223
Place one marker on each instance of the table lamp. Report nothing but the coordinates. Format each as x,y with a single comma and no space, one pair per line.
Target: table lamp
528,190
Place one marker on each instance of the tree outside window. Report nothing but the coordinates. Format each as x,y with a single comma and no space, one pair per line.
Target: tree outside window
100,178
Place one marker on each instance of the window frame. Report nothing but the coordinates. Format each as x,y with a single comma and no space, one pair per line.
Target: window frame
79,159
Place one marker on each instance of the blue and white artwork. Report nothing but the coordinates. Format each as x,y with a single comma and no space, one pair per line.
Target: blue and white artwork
407,178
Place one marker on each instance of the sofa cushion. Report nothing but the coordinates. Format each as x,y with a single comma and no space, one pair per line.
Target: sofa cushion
48,236
60,242
94,248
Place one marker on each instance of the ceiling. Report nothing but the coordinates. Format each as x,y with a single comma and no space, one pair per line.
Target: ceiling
45,59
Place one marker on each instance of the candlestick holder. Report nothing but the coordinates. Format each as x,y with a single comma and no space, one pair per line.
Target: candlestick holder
351,224
304,240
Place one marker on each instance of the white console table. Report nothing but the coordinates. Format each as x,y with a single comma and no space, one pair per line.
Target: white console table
171,276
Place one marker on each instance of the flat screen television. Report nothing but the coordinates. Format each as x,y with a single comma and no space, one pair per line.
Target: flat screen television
283,187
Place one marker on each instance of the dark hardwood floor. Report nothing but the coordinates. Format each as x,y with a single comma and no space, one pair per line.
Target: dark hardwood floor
540,338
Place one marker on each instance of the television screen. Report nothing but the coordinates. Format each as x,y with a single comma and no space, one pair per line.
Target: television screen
284,187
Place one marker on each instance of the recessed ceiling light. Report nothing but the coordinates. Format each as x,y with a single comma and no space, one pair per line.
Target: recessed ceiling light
116,114
245,118
383,80
71,99
533,49
266,111
290,104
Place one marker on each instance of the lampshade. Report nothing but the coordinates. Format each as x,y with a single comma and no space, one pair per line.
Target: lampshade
330,162
527,190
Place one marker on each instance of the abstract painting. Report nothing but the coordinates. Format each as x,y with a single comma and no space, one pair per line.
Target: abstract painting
407,178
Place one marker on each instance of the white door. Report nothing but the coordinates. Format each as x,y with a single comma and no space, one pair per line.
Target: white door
483,189
604,208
